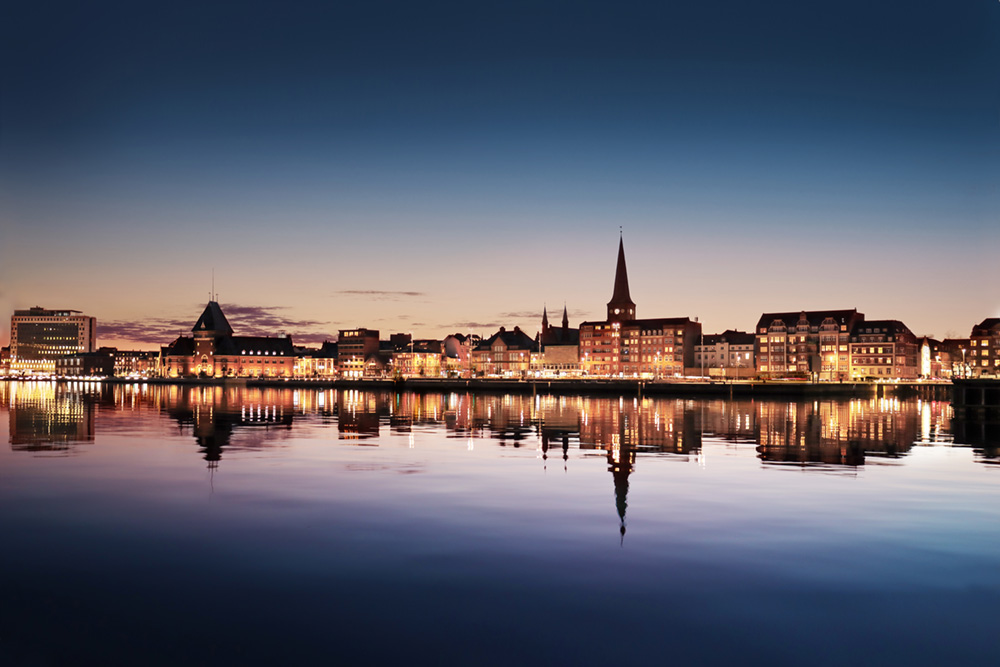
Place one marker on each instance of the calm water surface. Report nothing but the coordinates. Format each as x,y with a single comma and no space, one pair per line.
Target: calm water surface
167,525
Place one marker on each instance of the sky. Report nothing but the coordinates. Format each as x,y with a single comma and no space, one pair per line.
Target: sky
453,167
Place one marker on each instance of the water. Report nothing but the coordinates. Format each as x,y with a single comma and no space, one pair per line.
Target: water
161,525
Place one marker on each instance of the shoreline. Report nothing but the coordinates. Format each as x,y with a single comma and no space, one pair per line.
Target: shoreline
576,386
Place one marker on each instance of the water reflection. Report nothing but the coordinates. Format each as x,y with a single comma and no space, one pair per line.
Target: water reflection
46,417
829,434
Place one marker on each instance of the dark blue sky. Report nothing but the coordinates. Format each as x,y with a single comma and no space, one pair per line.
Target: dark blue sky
483,155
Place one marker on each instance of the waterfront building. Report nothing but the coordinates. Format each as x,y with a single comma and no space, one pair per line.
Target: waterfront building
984,348
956,355
135,362
935,359
356,347
39,336
504,354
213,351
623,346
457,355
728,354
87,364
418,358
806,343
4,360
882,349
559,347
316,363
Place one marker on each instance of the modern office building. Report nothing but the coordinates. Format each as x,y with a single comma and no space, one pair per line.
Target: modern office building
39,336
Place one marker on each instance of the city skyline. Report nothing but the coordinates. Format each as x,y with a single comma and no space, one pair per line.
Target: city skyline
445,168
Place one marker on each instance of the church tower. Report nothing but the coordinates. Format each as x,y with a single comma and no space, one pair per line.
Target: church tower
621,308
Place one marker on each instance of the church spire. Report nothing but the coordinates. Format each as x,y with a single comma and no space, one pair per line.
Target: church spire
621,307
565,322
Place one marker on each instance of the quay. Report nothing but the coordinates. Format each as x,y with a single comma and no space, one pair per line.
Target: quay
931,390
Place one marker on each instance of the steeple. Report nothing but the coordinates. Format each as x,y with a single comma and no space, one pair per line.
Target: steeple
621,307
565,322
545,320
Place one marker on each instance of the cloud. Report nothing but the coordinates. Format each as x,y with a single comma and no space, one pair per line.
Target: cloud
470,326
522,315
380,295
555,314
245,320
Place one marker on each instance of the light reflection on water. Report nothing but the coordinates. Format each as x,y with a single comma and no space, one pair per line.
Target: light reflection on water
379,527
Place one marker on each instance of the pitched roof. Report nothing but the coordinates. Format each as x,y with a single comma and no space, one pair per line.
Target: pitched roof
183,347
730,336
986,326
514,340
240,345
621,296
649,323
212,319
814,317
884,327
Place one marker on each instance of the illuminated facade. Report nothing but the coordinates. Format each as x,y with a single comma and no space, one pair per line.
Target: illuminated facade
505,353
355,348
622,346
727,353
805,343
882,349
984,348
38,337
213,351
418,358
559,350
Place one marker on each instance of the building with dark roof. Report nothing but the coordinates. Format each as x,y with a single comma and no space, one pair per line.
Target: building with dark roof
728,353
623,346
418,358
806,343
559,347
213,351
882,349
984,348
505,353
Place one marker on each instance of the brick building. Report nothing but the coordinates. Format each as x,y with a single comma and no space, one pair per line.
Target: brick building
806,343
882,349
213,351
623,346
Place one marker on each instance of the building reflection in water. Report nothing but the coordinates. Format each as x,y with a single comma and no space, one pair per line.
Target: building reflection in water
215,414
50,417
979,428
823,435
838,434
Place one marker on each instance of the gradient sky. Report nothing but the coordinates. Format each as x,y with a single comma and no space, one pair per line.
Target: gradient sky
442,167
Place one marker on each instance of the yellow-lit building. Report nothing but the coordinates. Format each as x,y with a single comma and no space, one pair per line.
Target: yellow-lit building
213,351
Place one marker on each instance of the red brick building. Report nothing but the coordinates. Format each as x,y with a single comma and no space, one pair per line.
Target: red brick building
623,346
213,351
